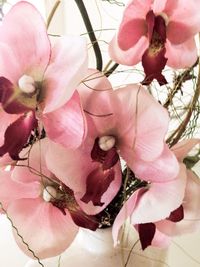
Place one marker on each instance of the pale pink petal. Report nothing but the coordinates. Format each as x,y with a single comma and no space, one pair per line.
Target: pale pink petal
180,29
12,190
9,66
131,32
137,131
182,148
137,9
67,68
34,168
43,227
24,31
162,169
5,160
98,101
181,56
94,84
161,240
131,56
191,205
71,170
164,6
160,200
178,33
66,125
125,212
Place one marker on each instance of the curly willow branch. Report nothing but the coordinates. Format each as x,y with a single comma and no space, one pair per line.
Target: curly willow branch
21,237
178,82
178,133
52,13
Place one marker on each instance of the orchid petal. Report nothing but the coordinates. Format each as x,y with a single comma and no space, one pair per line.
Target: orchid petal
139,134
8,59
66,125
98,100
12,190
24,31
191,205
67,67
137,8
182,148
178,33
160,200
181,29
53,232
131,56
164,168
125,212
130,33
160,240
181,56
164,6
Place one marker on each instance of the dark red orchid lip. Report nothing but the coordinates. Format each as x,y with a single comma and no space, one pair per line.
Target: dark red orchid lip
99,179
147,230
153,59
17,135
11,105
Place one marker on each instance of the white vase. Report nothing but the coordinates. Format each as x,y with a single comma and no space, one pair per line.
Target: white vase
95,249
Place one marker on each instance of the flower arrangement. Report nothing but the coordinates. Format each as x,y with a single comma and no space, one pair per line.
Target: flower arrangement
77,153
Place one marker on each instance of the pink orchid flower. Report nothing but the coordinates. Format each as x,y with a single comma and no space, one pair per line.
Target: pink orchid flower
42,208
191,201
161,210
121,123
157,33
37,81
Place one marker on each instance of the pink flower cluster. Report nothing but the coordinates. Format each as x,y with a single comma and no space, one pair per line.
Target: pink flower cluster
64,130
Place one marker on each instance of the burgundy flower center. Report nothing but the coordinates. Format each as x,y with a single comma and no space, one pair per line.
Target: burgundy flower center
153,59
157,32
62,197
99,179
105,152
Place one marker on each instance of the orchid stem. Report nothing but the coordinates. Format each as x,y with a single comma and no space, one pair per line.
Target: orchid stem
91,34
111,70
